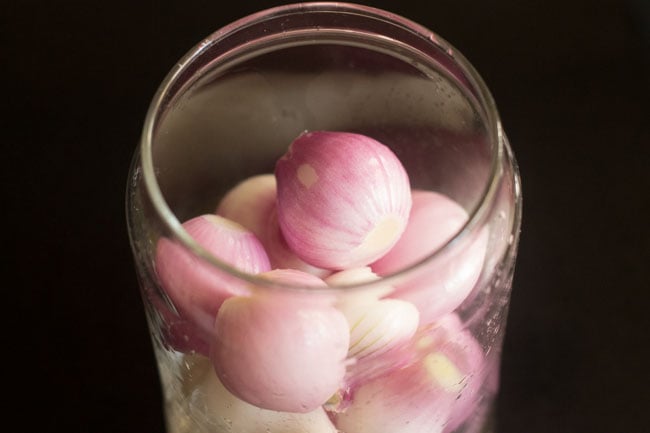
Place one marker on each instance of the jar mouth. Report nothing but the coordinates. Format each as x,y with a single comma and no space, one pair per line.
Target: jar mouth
461,69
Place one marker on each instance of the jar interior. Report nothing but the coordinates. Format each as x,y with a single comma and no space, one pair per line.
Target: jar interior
237,116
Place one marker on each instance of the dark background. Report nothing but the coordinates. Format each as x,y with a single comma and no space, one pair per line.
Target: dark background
571,82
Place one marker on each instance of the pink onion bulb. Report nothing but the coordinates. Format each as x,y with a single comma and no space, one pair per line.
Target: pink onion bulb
210,403
198,289
280,255
423,396
252,203
449,338
178,333
442,285
376,325
281,350
354,276
404,401
343,199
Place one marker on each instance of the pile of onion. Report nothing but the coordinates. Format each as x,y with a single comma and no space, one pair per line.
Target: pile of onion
338,210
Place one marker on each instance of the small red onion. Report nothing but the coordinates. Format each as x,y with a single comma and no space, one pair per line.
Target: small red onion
211,402
198,289
178,333
281,350
450,338
441,286
343,199
280,255
434,391
376,325
250,203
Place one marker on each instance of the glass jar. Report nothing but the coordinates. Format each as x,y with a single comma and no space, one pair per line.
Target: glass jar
408,342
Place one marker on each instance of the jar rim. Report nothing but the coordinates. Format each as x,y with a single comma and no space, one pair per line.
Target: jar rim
167,88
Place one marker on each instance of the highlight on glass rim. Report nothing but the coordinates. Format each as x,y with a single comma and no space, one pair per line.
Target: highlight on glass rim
324,214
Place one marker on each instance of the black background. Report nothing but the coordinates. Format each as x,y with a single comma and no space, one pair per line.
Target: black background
571,82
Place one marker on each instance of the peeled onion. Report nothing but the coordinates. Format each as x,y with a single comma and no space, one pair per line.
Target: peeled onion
343,199
210,403
198,289
281,350
279,252
376,325
250,202
438,287
178,333
426,395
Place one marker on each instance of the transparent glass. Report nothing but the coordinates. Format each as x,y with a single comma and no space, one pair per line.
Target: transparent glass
430,328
